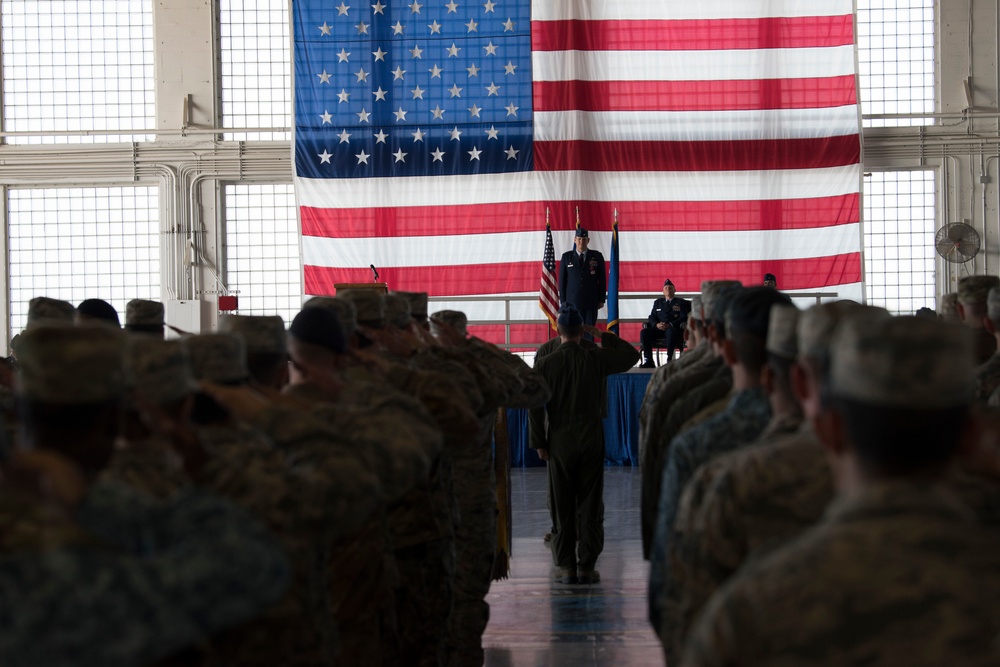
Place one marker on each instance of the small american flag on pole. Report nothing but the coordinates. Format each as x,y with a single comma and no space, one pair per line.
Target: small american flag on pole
548,298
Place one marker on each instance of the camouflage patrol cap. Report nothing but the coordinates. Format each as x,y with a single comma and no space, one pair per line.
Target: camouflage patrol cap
262,334
218,357
949,307
143,313
993,305
975,289
456,319
782,331
397,310
721,301
817,324
67,365
368,306
695,313
418,304
343,308
44,309
903,362
159,370
710,289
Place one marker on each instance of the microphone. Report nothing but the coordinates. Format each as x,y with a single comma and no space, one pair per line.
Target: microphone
375,272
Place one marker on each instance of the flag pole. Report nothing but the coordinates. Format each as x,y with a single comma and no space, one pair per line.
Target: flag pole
613,279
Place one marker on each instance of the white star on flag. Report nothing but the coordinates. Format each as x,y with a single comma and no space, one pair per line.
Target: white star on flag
362,28
492,132
398,73
362,157
453,50
508,26
378,7
473,71
474,154
455,134
452,7
380,54
362,75
342,9
400,155
380,137
418,93
435,72
490,48
435,27
416,52
438,155
324,29
326,116
343,95
474,111
345,136
512,153
398,28
343,56
363,115
324,157
379,94
492,88
472,25
438,112
400,114
418,135
415,7
510,67
511,109
324,77
455,90
489,6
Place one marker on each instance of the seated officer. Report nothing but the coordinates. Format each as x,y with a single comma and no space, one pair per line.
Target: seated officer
665,325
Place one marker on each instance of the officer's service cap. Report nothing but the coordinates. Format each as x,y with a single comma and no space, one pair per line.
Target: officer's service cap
582,233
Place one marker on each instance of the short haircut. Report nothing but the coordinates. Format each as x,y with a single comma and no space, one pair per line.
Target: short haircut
65,424
901,441
747,319
571,331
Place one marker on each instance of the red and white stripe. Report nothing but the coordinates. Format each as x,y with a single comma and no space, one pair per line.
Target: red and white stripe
725,132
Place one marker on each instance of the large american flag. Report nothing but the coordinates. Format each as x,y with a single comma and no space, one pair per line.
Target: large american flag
432,136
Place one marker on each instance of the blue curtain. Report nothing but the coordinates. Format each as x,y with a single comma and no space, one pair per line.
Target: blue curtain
621,426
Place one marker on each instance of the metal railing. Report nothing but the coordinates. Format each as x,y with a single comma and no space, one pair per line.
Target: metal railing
507,322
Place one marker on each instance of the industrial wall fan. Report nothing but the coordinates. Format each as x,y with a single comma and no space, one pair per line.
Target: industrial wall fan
957,242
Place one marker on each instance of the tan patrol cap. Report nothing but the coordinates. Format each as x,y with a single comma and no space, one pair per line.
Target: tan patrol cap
343,308
143,313
368,306
903,362
44,309
949,307
975,289
418,304
159,370
262,334
782,331
710,289
456,319
67,365
218,357
397,310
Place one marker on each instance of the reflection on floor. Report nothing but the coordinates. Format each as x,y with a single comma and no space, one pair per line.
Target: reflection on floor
535,623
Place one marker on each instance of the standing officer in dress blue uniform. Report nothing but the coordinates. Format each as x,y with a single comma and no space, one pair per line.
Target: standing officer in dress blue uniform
582,281
666,323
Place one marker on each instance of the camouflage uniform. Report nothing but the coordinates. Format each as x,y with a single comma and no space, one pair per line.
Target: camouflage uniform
130,581
894,575
974,291
987,375
746,416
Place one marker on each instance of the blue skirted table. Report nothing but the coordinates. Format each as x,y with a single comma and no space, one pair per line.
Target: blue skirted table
621,426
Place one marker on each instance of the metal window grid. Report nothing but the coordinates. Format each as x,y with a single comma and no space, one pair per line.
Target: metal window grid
82,243
256,76
262,249
77,65
900,218
896,59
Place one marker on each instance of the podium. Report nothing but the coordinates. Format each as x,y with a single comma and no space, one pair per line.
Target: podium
377,287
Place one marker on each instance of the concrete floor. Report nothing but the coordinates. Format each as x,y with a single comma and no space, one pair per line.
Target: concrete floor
535,623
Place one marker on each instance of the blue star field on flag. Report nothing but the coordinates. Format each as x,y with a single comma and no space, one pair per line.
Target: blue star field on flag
412,89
